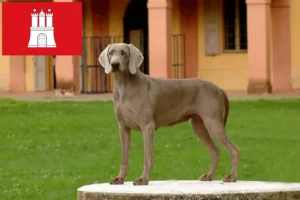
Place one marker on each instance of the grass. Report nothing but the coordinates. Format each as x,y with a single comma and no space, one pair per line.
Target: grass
49,149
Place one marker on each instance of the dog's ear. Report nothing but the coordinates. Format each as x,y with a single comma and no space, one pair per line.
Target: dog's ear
136,58
103,59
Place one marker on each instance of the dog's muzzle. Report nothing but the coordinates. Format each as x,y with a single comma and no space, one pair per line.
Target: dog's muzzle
115,66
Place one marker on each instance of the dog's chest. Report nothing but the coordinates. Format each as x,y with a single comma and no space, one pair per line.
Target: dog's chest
126,114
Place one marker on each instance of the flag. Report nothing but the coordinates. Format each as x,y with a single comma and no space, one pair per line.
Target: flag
41,28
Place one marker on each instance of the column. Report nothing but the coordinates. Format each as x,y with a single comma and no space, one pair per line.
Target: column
67,72
17,73
259,74
67,69
281,36
160,38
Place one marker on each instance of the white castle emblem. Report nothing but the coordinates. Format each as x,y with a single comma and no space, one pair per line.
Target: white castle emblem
41,34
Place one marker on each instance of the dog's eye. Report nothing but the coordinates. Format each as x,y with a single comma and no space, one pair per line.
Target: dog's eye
123,53
111,53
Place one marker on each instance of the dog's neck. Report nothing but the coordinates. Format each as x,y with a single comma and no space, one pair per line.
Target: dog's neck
124,79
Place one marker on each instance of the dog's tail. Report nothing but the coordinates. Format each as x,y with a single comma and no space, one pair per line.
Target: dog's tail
226,101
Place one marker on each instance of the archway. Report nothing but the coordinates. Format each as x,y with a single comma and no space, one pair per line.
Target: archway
136,28
42,40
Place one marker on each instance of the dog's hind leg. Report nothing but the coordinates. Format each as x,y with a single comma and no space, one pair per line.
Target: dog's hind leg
216,130
202,133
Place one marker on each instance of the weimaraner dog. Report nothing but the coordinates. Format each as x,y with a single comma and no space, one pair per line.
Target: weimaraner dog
146,104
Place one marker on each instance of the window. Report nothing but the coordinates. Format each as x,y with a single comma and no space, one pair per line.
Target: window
235,25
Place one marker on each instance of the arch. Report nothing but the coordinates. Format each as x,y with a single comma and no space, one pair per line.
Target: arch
42,40
135,23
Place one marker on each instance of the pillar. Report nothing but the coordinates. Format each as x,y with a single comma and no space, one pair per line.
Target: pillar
67,69
67,72
281,40
17,73
259,74
160,38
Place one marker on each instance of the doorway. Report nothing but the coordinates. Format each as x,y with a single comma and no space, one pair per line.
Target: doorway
53,63
42,40
136,29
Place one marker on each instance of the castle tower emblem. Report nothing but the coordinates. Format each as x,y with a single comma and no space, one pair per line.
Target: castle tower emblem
41,30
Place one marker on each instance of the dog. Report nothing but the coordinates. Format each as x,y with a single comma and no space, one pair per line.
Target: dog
145,104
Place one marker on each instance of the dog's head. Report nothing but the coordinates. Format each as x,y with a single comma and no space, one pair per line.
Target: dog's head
121,57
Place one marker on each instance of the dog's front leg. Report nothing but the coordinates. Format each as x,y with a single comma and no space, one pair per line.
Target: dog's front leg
125,144
148,132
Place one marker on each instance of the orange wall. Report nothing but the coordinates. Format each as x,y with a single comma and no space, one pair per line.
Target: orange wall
176,17
189,27
100,17
116,13
295,43
229,70
87,18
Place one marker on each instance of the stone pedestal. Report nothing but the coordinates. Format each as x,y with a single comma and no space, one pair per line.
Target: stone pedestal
192,190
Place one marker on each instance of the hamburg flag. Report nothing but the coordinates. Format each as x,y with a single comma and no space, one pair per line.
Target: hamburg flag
41,28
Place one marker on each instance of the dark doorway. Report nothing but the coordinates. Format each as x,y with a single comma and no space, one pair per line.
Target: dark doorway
136,29
53,63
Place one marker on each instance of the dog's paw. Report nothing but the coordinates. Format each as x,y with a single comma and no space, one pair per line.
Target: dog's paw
229,178
206,177
141,181
117,181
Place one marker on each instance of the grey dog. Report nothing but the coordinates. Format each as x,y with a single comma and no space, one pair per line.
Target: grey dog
145,104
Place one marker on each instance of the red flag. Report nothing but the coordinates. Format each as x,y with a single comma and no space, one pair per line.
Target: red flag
41,28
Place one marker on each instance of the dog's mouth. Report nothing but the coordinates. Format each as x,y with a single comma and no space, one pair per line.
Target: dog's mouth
114,69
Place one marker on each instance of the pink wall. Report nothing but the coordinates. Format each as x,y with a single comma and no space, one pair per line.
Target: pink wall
17,73
260,29
281,30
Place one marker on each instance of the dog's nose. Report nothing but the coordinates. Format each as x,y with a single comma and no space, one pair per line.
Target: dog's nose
115,65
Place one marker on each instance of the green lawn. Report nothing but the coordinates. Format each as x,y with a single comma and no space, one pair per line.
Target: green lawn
49,149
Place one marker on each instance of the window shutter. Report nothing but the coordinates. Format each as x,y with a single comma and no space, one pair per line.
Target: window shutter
212,29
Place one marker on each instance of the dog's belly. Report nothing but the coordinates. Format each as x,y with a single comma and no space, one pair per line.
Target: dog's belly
184,118
164,121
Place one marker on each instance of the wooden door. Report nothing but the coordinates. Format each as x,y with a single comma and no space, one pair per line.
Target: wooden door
42,40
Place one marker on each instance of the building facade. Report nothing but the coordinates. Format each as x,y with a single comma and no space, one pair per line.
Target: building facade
241,45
